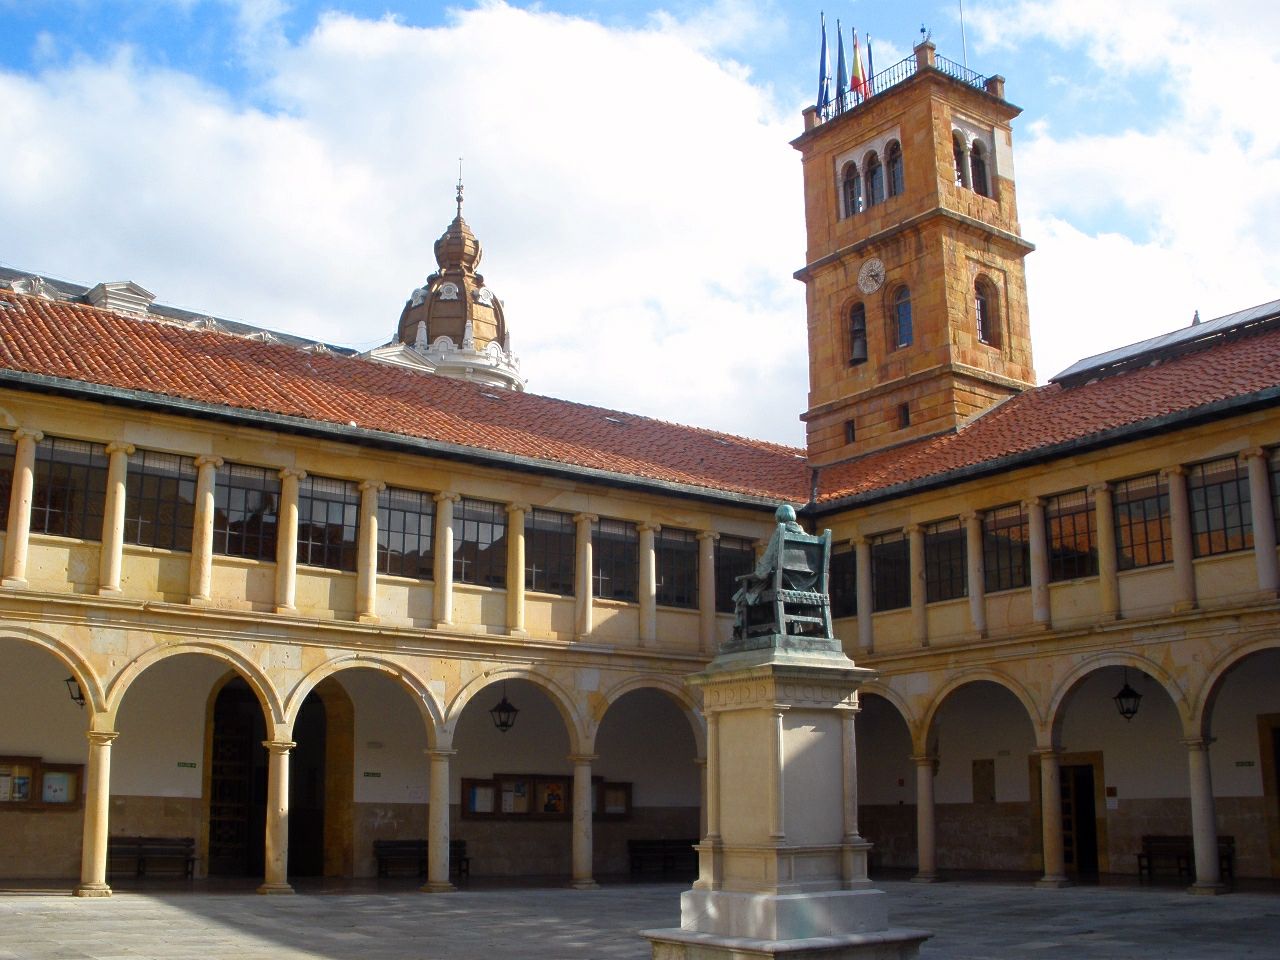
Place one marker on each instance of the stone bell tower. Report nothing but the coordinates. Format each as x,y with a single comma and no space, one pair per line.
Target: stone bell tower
915,289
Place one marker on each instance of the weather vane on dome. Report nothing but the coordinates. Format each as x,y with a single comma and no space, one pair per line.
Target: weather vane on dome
459,186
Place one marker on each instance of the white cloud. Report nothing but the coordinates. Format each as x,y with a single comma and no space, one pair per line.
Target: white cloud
637,199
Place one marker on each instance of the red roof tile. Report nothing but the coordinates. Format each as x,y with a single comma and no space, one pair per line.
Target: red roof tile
82,343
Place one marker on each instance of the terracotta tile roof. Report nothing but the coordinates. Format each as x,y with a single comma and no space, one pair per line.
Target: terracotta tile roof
1070,416
81,343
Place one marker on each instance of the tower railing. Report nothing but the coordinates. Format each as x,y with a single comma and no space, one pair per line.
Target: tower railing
892,76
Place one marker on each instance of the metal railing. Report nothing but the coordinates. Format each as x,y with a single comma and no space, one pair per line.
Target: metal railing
892,76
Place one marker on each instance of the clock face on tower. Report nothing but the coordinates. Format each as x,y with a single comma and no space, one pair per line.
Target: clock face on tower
871,275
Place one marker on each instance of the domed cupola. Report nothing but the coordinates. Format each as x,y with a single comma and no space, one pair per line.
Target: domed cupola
453,323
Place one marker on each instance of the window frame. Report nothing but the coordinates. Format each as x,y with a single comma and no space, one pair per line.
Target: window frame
895,179
1132,513
1071,535
734,556
857,333
399,511
873,180
986,312
1229,538
225,487
1006,560
615,544
57,466
946,560
903,333
851,189
842,581
890,557
330,542
676,567
480,543
555,549
156,514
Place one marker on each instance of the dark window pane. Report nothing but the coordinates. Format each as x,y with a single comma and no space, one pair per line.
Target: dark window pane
890,572
615,557
844,581
676,561
1221,511
1071,532
946,573
70,488
1143,532
327,529
159,503
734,557
406,533
1006,548
550,552
480,543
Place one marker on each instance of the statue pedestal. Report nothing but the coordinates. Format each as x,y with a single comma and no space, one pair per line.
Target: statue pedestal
782,869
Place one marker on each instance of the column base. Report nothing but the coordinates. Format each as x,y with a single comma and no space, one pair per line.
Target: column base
587,884
889,944
1207,889
435,886
1054,883
199,601
1185,606
14,583
92,890
109,591
368,618
926,878
271,889
286,610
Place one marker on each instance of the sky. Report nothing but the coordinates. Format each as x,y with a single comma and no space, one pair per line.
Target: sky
627,168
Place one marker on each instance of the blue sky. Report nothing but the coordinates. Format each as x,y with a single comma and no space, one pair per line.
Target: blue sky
627,167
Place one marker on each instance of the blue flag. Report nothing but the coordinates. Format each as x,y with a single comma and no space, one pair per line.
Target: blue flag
824,70
842,75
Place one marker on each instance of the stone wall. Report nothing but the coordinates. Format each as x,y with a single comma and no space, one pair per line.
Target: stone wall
40,844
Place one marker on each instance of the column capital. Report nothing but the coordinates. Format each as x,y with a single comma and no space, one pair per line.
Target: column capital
1042,751
585,518
446,496
922,759
578,759
377,486
518,508
441,753
100,738
208,460
1197,743
708,535
648,526
294,472
1250,453
912,528
120,446
1032,502
279,746
1101,489
1177,470
25,433
860,540
971,515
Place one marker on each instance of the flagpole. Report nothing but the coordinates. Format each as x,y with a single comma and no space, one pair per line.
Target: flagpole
871,66
964,44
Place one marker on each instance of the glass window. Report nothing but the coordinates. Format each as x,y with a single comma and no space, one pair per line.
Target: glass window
957,152
615,555
852,190
902,331
946,569
480,543
1071,531
984,304
550,552
978,167
890,571
1006,548
70,488
893,157
676,559
734,557
159,502
1143,533
328,518
857,334
245,505
844,581
875,181
1221,519
7,452
406,533
1273,469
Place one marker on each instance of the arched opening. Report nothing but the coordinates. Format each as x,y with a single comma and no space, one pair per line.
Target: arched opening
893,160
886,784
875,181
978,170
902,324
851,185
857,334
43,753
648,787
958,153
514,789
237,783
986,312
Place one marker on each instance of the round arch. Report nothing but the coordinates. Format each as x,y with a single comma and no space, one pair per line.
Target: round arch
885,692
920,734
428,706
558,696
677,691
1052,726
90,685
258,681
1201,700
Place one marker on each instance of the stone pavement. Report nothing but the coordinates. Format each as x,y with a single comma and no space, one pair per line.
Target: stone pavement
970,921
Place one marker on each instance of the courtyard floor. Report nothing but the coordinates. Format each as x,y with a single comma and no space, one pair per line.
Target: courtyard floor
970,920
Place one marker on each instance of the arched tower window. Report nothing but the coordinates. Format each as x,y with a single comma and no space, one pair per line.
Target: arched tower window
986,313
962,168
978,166
902,333
875,181
857,334
893,160
852,186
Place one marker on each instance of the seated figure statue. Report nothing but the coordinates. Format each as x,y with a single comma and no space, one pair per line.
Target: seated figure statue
783,602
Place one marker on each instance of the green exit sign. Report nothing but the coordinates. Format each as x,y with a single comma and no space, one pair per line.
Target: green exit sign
189,764
372,773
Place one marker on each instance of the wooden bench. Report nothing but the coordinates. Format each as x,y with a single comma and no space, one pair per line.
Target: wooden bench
1179,852
663,856
414,852
145,854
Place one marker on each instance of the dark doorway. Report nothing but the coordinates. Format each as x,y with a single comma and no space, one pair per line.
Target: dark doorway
1079,821
238,784
306,791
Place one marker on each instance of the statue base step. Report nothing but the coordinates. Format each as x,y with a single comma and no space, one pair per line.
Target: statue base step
889,944
785,916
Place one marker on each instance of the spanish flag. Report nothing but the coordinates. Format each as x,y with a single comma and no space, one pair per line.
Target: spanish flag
859,82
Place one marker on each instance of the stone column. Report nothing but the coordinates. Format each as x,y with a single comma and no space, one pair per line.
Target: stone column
438,835
976,572
367,552
583,522
701,764
18,538
515,567
1184,569
276,879
93,850
582,838
287,540
853,867
648,585
201,582
443,560
1055,868
862,572
927,871
777,786
707,591
919,594
709,862
1264,524
1039,550
1204,826
1108,564
113,519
